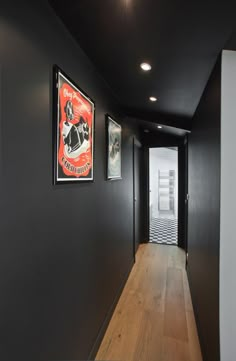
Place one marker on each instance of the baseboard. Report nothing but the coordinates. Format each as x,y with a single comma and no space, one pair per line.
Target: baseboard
107,319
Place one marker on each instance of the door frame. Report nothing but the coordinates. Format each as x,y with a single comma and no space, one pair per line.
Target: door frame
186,198
182,177
136,145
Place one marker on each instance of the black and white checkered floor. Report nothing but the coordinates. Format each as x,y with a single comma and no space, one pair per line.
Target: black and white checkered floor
163,231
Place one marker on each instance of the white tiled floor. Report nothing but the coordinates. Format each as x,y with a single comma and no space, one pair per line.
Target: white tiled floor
163,231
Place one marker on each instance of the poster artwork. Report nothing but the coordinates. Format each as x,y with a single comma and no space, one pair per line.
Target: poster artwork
114,150
75,122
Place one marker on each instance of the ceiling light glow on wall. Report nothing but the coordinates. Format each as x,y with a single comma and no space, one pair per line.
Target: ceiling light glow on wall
153,99
145,66
127,2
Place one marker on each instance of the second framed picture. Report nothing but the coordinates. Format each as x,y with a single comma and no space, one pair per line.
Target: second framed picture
113,148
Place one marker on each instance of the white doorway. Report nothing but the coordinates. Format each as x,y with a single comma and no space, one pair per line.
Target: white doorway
163,195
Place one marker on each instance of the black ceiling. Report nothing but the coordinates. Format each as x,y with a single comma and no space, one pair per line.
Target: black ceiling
181,40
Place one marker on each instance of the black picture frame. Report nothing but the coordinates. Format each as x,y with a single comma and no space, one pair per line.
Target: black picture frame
113,148
73,136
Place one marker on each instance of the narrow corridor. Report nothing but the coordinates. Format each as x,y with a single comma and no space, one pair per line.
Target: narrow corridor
154,319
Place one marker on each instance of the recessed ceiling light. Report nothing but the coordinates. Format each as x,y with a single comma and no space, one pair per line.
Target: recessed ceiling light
145,66
159,126
153,99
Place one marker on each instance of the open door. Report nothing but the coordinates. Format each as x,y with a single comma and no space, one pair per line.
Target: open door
181,186
137,227
163,195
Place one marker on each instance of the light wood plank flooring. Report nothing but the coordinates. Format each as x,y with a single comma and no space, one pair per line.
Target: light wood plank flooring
153,320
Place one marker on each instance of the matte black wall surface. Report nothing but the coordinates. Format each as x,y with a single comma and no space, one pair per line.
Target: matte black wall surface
66,249
161,139
204,215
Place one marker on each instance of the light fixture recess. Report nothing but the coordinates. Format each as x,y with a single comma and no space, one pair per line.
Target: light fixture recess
153,99
145,66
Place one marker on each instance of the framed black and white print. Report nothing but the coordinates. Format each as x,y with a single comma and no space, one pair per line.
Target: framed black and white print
114,132
74,131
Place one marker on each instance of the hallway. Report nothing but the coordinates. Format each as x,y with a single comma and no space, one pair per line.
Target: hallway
153,320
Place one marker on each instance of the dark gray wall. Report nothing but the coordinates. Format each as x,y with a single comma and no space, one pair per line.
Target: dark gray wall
204,215
66,249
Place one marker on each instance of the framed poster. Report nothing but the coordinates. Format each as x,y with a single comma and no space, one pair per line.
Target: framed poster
113,149
74,131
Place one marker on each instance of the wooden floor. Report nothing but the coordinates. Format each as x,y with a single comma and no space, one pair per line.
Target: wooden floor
154,319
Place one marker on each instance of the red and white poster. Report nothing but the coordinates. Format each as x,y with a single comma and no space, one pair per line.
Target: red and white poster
75,132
